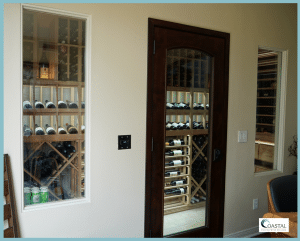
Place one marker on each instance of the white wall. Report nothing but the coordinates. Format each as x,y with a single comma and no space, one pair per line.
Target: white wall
118,106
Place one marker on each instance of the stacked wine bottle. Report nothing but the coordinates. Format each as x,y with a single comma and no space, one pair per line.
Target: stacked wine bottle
49,130
50,105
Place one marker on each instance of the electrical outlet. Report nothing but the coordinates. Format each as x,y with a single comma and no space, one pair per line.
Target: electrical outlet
243,136
255,204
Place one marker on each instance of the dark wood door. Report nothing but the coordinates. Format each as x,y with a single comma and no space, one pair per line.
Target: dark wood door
196,45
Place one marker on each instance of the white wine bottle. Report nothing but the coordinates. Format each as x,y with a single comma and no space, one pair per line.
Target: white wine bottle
168,125
61,130
27,130
173,173
27,105
39,104
71,129
61,104
72,105
50,130
39,130
178,182
175,163
49,104
175,142
175,191
174,153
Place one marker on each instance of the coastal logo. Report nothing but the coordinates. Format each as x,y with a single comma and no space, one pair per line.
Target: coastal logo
274,225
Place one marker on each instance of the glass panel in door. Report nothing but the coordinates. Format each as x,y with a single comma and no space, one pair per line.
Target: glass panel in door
188,76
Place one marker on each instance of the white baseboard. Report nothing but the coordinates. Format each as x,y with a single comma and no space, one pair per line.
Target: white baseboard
247,233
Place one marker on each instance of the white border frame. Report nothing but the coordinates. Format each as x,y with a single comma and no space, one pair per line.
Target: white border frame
88,38
280,139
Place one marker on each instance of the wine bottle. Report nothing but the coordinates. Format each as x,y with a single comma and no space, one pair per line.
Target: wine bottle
39,130
26,105
72,105
195,125
168,125
82,105
27,130
169,106
173,173
174,126
206,125
175,163
178,182
175,191
68,146
175,105
61,148
187,125
49,104
207,106
184,106
196,106
61,130
50,130
38,104
52,154
62,104
200,125
175,142
201,106
71,129
82,129
174,153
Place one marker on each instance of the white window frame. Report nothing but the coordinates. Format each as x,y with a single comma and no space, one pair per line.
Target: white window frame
280,113
87,197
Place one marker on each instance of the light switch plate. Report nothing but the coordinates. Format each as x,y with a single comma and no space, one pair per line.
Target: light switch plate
243,136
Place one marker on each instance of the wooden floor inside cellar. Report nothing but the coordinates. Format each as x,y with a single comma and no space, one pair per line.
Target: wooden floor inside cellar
185,220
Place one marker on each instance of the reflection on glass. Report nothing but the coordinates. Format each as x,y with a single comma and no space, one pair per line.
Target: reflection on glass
188,73
53,107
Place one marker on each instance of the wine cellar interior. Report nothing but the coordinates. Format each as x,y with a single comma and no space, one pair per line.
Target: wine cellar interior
267,91
53,107
187,122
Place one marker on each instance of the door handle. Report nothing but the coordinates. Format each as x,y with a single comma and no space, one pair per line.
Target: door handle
217,155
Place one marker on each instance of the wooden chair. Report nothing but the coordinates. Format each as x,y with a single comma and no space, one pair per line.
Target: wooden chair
282,198
10,211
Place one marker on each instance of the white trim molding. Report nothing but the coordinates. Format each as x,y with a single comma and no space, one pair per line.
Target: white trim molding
246,233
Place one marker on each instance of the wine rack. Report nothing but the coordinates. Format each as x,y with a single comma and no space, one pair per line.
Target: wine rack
64,49
188,81
266,108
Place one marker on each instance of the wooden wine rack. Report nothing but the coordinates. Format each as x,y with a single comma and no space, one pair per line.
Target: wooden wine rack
189,83
266,110
65,52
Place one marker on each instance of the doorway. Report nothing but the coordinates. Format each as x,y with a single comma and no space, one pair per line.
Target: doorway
186,139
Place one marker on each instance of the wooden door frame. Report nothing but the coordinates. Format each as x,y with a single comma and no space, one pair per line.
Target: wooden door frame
149,219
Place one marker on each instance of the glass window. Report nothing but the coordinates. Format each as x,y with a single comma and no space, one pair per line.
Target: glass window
267,109
53,100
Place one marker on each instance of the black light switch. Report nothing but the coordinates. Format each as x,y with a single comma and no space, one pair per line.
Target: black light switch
124,142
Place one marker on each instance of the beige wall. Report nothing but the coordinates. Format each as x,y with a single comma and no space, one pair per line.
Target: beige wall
118,102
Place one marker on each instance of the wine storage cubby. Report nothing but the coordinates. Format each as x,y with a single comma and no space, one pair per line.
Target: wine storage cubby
187,123
53,107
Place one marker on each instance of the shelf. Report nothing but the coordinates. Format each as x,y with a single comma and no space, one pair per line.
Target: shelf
187,132
187,89
268,71
53,111
179,166
53,138
265,124
185,112
166,197
182,175
172,147
169,157
171,187
268,79
71,45
43,82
